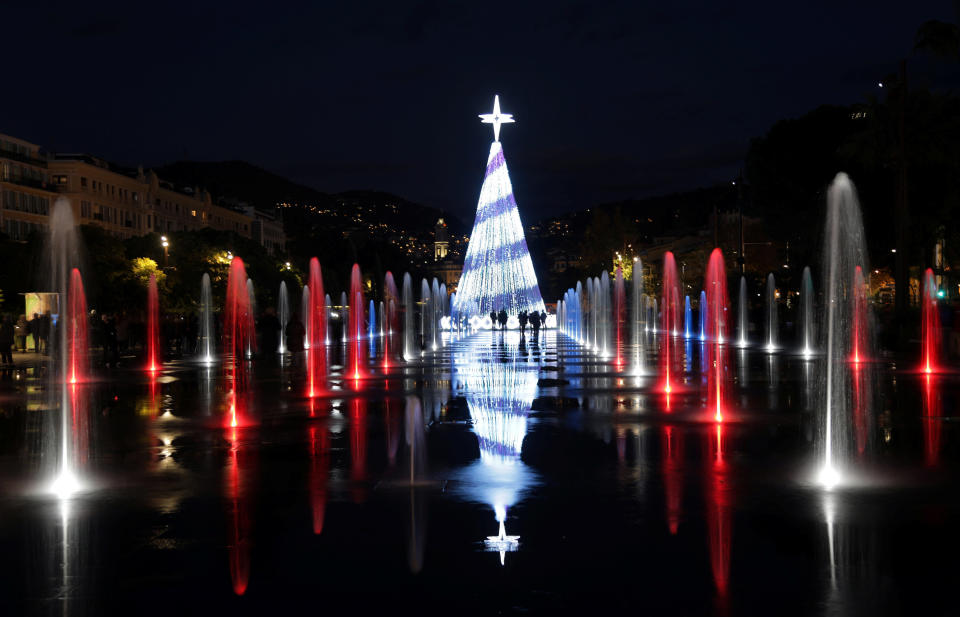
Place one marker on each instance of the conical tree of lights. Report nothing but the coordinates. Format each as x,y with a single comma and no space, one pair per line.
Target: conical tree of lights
497,271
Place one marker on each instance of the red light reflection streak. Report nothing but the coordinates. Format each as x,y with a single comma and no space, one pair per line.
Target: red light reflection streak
238,518
358,448
932,412
319,469
673,475
78,421
859,400
719,515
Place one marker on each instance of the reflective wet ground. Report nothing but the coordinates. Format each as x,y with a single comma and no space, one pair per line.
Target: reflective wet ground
612,495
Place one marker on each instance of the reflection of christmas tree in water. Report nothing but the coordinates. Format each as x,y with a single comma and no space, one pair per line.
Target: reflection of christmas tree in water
497,271
499,396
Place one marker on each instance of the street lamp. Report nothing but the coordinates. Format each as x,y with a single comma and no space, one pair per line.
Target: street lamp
166,249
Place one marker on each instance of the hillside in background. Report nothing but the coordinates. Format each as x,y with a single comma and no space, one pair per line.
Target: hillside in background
239,182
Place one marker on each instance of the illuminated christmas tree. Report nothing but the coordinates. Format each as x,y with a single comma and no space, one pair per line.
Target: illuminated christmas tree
497,272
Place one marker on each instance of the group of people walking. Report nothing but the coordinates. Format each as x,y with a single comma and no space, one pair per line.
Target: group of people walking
13,335
534,319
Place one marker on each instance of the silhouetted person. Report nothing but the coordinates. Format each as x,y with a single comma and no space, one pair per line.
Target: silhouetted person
493,319
269,330
20,334
33,330
502,318
522,318
111,350
46,325
296,332
535,323
543,319
6,340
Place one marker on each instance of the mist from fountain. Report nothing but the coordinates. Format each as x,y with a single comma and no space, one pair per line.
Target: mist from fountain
283,314
344,317
205,346
304,312
808,327
619,314
743,308
638,320
844,253
251,317
773,326
66,445
703,315
409,333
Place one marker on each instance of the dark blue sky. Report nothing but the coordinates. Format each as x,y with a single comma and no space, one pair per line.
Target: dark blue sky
612,100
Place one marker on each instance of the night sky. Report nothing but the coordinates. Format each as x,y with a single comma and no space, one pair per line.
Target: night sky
612,100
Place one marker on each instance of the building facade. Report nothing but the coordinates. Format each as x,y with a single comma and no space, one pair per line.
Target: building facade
26,191
125,202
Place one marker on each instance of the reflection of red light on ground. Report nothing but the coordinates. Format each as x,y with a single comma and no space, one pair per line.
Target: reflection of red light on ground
239,520
673,476
719,521
931,422
319,464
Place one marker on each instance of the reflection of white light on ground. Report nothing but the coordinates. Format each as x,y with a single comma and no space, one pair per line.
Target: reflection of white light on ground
770,348
502,543
551,321
829,513
513,322
807,353
445,322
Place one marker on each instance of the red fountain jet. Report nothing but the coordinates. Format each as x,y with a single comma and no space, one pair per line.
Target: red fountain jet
355,360
669,321
316,322
153,326
715,285
76,323
238,335
930,324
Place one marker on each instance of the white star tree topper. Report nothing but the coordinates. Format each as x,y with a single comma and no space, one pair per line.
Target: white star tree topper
496,118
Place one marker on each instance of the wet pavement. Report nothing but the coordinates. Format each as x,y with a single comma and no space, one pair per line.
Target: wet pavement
611,494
